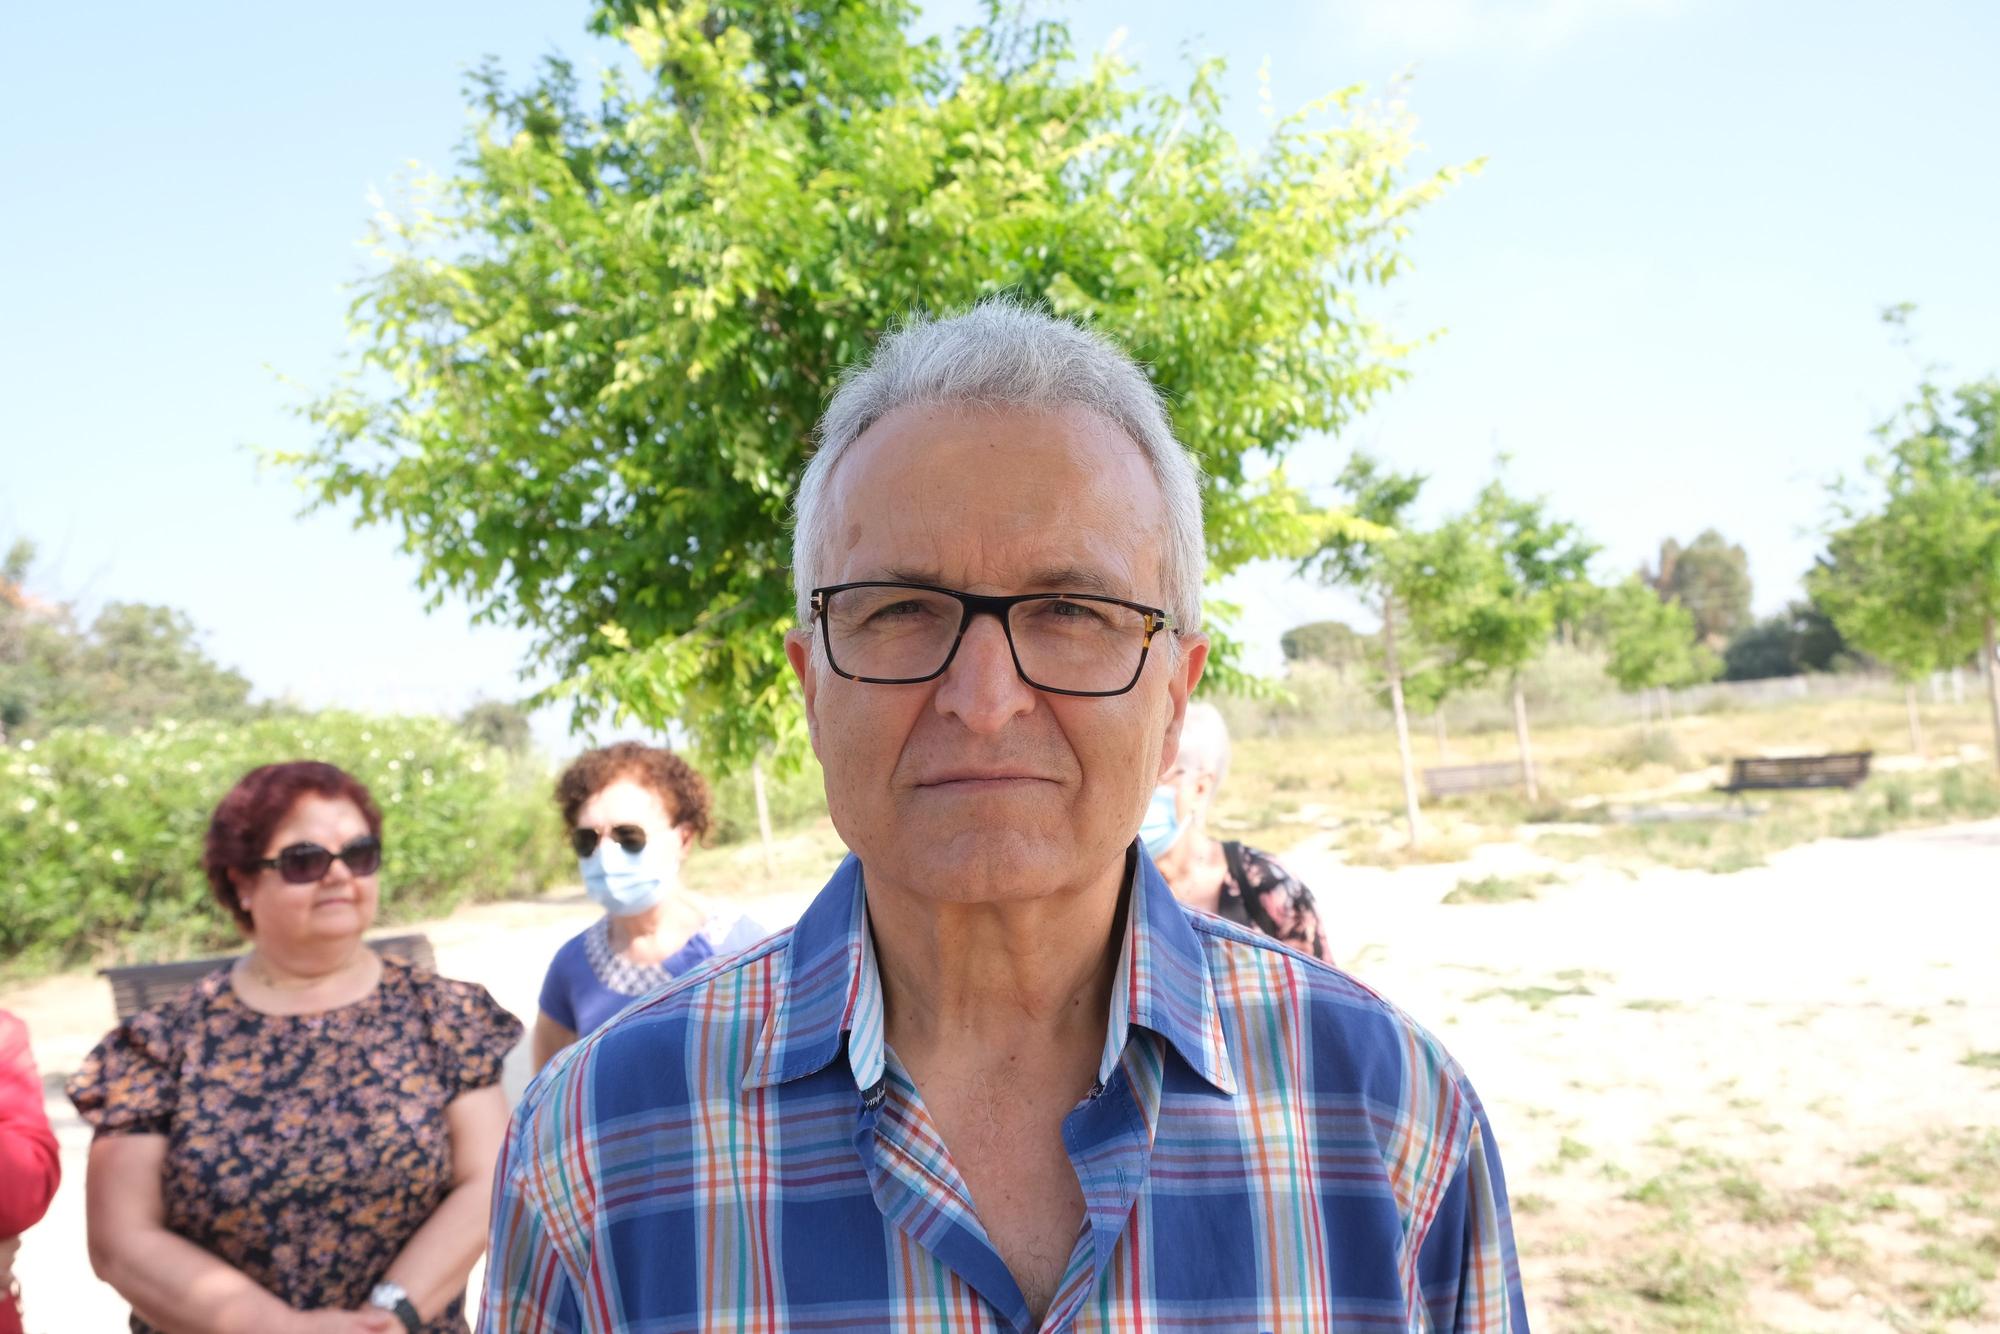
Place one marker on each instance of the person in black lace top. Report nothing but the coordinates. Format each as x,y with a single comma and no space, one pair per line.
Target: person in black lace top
1230,879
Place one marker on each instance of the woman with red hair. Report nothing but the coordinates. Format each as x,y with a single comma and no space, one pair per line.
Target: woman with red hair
303,1140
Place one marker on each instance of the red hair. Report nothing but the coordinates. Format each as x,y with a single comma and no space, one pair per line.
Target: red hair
257,805
682,790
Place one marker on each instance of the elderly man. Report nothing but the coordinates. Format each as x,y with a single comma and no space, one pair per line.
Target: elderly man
996,1077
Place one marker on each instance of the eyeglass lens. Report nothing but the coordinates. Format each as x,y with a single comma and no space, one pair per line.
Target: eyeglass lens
1061,643
303,863
630,837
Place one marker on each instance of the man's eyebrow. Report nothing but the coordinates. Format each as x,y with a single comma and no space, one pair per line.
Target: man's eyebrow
1051,579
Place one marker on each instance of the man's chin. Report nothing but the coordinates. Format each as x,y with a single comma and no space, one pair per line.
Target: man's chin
981,866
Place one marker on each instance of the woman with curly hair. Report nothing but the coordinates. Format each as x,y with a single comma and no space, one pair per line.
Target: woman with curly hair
304,1139
633,812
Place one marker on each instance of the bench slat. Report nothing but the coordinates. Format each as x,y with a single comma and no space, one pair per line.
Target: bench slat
1773,772
136,986
1450,779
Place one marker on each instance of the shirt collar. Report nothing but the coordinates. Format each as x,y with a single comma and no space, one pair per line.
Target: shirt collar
832,989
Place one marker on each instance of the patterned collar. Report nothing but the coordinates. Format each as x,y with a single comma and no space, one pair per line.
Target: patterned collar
832,989
616,972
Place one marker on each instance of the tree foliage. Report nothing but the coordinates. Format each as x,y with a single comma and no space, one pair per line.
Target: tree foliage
501,724
1913,572
1333,643
134,665
1650,642
1505,574
1711,578
591,362
1802,638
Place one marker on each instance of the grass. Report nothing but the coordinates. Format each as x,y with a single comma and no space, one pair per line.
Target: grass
1533,997
1500,888
1982,1060
1340,763
1710,1228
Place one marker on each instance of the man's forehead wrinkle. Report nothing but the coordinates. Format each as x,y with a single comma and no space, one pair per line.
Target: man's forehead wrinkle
1050,579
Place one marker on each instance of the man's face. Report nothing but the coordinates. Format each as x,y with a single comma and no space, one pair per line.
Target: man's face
976,787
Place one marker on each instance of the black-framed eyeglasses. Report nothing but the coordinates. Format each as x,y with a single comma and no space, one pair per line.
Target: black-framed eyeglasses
630,837
303,863
895,634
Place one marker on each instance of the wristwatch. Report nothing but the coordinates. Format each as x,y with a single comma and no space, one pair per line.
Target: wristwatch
391,1297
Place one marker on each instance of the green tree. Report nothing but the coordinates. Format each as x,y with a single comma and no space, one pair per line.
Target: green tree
1333,643
1915,580
1650,644
141,663
1802,638
501,724
591,363
1504,574
1392,564
1711,578
133,666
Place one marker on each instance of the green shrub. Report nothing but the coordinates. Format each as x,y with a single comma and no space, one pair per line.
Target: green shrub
101,833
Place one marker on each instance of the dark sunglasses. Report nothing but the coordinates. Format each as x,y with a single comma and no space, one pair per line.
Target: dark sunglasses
627,836
303,863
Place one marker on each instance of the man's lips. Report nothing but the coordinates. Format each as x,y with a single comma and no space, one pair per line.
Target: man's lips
971,779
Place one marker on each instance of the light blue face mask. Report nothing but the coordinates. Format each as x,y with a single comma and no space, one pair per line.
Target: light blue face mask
1162,824
622,882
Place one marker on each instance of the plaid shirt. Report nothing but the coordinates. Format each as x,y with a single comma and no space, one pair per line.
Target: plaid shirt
1270,1146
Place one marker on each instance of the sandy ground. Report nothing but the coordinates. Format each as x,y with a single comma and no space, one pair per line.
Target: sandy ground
1788,1019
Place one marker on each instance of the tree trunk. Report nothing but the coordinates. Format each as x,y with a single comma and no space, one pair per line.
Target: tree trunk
1993,684
763,814
1437,730
1646,710
1958,685
1667,705
1521,735
1395,668
1916,724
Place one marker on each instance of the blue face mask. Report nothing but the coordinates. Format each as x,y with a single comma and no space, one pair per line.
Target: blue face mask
1162,824
622,882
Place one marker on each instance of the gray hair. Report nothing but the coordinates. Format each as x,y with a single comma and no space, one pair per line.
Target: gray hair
1003,354
1205,741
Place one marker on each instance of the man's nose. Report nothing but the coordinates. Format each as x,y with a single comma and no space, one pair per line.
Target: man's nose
981,688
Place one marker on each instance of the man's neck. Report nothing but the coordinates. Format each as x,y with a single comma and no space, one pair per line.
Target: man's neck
1012,976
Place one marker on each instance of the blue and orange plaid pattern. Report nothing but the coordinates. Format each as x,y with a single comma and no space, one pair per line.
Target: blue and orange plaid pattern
1271,1147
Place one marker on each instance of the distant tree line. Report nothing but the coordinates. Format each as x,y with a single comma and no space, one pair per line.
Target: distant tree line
135,664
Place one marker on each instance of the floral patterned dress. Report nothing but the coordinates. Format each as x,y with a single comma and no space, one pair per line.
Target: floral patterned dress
1259,893
302,1149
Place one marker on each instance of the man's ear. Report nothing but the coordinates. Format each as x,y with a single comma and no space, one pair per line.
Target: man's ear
799,653
1182,678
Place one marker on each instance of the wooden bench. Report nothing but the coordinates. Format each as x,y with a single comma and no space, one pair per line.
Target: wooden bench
1766,773
138,985
1454,779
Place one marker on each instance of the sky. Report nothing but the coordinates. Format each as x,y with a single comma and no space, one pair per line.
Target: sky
1658,297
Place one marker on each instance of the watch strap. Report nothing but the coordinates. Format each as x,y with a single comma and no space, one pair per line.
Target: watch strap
406,1312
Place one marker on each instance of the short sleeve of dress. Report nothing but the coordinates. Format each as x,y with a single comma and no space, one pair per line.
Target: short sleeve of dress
129,1083
558,1000
1278,903
470,1031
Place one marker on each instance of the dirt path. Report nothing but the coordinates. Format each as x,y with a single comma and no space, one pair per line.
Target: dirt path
1767,1099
